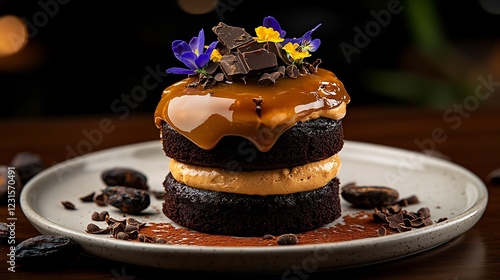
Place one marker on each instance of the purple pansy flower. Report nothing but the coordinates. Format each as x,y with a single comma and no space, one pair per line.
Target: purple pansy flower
306,42
192,54
271,22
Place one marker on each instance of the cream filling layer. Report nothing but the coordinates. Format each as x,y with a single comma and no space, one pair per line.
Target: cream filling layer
302,178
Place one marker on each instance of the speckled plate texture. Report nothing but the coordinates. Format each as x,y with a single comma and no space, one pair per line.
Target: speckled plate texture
447,189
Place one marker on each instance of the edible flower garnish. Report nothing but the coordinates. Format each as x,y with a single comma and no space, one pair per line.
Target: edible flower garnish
300,48
306,42
192,55
237,55
296,52
267,34
215,56
270,31
271,22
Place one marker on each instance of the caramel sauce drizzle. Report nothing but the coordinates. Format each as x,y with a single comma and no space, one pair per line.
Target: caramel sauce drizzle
260,114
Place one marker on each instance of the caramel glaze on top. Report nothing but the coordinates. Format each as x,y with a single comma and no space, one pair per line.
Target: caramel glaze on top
259,113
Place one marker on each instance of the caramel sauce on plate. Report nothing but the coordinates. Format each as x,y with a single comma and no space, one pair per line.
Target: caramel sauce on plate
259,113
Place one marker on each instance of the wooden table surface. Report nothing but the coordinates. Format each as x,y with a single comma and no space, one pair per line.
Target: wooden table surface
468,138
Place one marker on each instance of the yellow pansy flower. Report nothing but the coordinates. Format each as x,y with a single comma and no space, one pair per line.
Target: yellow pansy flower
265,34
294,51
215,55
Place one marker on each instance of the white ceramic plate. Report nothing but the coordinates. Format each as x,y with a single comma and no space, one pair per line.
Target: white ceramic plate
447,189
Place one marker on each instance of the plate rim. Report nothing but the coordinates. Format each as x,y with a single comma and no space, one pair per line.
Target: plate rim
43,225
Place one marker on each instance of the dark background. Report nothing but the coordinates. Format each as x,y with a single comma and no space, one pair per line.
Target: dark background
87,55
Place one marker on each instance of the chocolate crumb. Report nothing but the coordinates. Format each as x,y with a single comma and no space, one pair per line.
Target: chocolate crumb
424,212
160,241
382,231
88,198
68,205
401,228
412,199
99,200
258,105
268,237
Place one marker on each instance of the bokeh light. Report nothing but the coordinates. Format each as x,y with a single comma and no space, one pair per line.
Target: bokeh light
197,7
13,35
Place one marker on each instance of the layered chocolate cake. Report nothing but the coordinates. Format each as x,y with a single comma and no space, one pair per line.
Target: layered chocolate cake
252,133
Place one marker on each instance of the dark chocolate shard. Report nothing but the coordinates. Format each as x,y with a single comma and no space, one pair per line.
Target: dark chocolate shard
231,36
292,71
232,66
251,46
259,60
281,71
265,80
212,68
279,52
219,77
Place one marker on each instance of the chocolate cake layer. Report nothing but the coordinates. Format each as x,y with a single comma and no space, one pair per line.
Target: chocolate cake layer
250,215
303,143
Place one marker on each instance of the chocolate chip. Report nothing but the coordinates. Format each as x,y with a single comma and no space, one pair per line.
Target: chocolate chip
133,234
122,235
379,217
95,216
268,237
68,205
424,212
160,240
442,220
145,238
117,228
287,239
99,200
88,198
111,221
103,215
95,229
134,222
